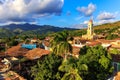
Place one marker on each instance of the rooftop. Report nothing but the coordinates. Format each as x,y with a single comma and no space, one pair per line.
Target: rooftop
16,51
93,43
36,53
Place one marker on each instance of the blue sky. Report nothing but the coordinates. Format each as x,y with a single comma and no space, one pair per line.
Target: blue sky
62,13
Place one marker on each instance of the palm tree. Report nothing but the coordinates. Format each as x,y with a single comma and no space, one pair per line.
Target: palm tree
60,44
72,75
71,71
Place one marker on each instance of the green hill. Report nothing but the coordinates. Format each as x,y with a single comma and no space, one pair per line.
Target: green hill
28,29
108,28
5,33
108,25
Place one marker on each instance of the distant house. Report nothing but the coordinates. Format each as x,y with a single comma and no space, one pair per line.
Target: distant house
45,44
33,41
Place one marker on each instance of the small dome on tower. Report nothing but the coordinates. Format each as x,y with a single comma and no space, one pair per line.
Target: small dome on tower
91,20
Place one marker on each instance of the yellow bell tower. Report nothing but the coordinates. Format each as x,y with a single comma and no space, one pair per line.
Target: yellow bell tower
90,32
90,28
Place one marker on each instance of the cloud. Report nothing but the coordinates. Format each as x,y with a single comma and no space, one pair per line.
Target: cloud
85,22
87,11
28,10
78,18
78,26
105,21
106,16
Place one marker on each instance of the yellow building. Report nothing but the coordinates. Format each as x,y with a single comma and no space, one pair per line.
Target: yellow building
90,32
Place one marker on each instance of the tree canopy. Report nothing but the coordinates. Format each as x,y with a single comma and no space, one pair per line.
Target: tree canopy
47,69
94,63
60,44
98,61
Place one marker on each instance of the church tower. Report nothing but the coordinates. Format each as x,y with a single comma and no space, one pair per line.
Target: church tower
90,28
90,32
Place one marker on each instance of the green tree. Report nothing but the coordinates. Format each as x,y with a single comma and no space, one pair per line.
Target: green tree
72,75
13,43
60,44
72,68
2,49
114,51
111,36
47,69
98,61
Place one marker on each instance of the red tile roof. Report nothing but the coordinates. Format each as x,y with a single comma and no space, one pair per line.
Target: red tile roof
105,41
36,53
93,43
16,51
13,49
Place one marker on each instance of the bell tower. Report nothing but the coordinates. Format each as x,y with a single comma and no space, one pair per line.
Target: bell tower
90,28
90,32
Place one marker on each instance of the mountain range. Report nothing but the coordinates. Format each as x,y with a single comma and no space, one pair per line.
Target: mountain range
15,29
12,29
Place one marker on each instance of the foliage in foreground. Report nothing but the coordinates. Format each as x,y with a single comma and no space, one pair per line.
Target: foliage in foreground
93,64
47,69
98,61
114,51
60,44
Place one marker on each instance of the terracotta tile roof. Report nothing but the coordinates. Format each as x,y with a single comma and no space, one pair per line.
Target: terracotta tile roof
16,51
93,43
105,41
36,53
13,49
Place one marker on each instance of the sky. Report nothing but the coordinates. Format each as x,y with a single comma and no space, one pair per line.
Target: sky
61,13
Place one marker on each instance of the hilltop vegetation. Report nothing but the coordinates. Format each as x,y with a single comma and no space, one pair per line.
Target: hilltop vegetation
31,29
110,30
108,25
5,33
